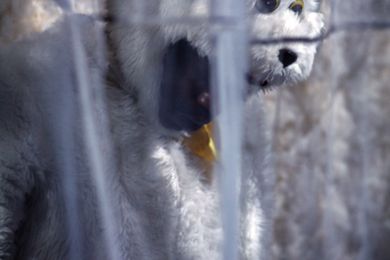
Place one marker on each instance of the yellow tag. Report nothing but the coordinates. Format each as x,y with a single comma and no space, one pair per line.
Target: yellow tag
201,143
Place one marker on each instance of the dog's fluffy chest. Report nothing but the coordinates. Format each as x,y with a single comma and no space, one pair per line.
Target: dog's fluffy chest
192,203
175,207
165,207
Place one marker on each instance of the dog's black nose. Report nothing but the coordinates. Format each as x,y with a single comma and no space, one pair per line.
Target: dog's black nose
287,57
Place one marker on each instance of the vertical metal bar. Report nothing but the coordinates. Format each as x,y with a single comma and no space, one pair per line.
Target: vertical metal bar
66,165
66,161
331,244
229,83
365,144
97,161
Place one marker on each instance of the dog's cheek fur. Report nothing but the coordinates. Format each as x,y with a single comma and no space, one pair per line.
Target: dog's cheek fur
315,23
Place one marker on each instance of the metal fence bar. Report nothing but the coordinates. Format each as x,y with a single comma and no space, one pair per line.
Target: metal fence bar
96,160
229,68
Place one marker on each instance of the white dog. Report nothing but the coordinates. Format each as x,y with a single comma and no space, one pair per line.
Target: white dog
165,200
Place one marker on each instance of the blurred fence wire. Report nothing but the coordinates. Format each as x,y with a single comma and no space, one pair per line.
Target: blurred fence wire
226,22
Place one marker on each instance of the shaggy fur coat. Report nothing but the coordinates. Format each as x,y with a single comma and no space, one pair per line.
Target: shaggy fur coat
160,202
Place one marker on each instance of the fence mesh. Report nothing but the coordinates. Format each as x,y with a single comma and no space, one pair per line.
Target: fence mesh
330,135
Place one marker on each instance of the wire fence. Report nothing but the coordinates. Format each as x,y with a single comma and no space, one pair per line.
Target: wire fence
218,23
228,23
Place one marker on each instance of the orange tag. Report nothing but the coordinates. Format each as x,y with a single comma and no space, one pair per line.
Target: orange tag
201,143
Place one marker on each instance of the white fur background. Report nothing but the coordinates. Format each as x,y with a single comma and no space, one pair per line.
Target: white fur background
331,147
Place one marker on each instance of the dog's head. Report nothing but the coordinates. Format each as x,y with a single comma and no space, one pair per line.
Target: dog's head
165,49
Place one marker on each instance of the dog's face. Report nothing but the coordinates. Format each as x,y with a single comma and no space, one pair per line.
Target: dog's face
166,57
289,63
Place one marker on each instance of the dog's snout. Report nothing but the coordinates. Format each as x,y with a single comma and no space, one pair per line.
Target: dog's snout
287,57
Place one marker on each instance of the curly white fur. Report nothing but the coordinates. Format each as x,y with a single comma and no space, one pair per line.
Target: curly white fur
166,209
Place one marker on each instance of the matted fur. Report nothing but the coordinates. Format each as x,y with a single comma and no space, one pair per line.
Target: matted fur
167,210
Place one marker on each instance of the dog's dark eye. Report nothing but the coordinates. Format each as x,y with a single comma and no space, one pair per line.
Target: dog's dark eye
267,6
297,6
